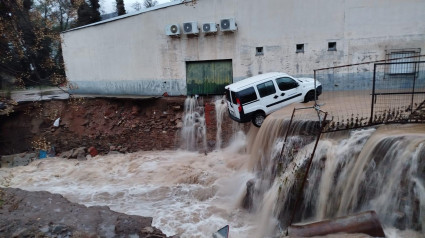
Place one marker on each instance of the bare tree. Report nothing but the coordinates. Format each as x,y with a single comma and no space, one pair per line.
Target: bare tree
136,6
149,3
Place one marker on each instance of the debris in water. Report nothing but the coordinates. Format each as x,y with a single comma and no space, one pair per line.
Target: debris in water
222,233
56,123
365,222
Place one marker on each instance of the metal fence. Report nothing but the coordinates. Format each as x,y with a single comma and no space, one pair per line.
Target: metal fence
365,94
354,96
398,92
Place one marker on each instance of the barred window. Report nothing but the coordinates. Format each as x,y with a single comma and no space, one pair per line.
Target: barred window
402,60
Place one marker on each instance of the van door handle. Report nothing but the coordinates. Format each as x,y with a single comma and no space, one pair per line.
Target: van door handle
275,96
283,94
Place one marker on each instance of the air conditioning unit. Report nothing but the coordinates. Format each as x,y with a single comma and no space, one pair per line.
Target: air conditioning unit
172,30
190,28
209,27
228,24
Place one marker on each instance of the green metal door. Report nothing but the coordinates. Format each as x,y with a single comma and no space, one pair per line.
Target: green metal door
208,77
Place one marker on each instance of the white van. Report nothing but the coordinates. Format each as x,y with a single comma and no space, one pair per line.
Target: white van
252,99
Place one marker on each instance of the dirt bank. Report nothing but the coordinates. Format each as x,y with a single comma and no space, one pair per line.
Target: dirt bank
42,214
126,125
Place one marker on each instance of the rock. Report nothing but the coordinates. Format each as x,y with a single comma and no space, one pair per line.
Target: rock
22,159
248,199
129,225
66,154
79,153
32,216
112,148
179,124
135,110
92,151
81,157
176,108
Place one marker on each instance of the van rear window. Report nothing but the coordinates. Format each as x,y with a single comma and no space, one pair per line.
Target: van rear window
247,95
233,94
228,95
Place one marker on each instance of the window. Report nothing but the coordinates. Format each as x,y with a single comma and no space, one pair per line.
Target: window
266,88
286,83
259,51
233,94
331,46
300,48
402,56
247,95
228,95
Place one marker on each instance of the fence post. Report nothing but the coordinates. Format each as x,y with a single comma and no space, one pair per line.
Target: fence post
373,94
300,192
413,88
287,132
315,90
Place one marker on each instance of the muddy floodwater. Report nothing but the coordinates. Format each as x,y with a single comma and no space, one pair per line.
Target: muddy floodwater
186,193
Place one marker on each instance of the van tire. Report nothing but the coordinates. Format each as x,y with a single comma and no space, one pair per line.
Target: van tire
309,96
258,119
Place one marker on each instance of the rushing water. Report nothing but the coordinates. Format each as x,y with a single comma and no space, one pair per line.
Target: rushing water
248,185
194,129
221,110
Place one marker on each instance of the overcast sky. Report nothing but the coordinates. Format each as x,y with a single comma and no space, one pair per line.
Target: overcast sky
108,6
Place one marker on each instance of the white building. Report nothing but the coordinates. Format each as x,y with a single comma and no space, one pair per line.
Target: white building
133,55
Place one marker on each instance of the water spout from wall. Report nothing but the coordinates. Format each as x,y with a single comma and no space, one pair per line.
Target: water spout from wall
194,128
220,110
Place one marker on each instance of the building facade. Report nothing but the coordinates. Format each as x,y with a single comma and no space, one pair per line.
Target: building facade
142,54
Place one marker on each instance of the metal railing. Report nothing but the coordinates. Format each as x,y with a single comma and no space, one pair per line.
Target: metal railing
370,93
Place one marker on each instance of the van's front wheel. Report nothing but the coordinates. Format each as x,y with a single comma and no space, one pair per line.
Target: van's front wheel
258,119
309,97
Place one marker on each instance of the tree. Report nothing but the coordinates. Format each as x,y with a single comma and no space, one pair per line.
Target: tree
136,6
95,10
149,3
30,41
120,7
88,13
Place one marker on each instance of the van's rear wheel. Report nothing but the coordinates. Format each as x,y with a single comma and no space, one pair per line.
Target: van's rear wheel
309,96
258,119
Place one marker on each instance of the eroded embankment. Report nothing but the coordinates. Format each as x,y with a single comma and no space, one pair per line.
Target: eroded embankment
124,125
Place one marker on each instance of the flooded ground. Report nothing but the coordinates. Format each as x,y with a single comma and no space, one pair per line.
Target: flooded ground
195,192
186,193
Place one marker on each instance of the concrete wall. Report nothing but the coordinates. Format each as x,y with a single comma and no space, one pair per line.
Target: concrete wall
133,55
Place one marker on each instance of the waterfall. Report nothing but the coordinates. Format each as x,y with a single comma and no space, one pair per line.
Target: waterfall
194,129
220,110
379,169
